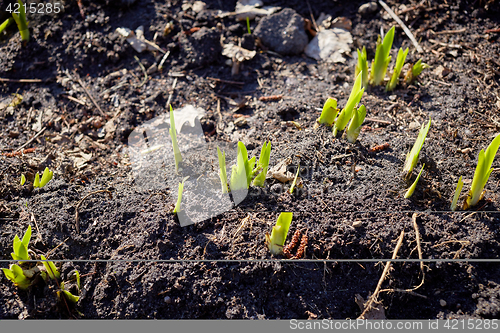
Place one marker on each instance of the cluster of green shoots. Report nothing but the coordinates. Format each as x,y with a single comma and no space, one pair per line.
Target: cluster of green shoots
46,177
243,174
24,274
381,62
246,170
20,19
356,115
412,158
481,176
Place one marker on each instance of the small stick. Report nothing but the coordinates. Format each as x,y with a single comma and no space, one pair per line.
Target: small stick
378,120
21,80
77,216
419,249
445,32
17,153
403,291
243,222
401,23
373,298
225,81
64,241
157,193
171,94
143,70
38,235
491,30
33,138
312,16
160,66
91,98
452,46
71,98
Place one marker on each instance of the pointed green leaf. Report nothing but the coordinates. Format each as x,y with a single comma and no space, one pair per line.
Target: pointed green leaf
382,58
23,179
329,112
412,157
36,183
400,61
70,297
295,180
458,190
175,144
279,233
222,170
27,237
177,208
50,268
355,126
412,188
46,177
265,155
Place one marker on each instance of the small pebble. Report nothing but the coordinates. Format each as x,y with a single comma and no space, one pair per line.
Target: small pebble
167,299
368,8
442,302
357,224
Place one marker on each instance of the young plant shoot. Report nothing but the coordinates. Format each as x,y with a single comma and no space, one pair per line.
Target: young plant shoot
362,67
346,113
482,173
400,61
175,145
23,179
415,71
238,179
16,275
382,58
50,268
277,239
458,190
295,180
329,112
46,177
21,22
177,208
356,122
222,172
413,186
412,157
20,247
263,163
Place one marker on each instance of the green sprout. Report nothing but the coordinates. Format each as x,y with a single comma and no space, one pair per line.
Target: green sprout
356,122
382,58
277,239
263,163
23,179
243,172
413,186
50,268
248,26
412,157
415,71
329,112
294,180
400,61
175,145
21,246
362,67
46,177
346,113
222,167
16,275
458,190
177,208
482,173
21,22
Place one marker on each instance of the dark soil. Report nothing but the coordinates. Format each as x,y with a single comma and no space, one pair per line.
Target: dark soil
351,203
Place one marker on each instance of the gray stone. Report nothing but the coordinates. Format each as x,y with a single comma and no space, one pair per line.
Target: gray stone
283,32
368,8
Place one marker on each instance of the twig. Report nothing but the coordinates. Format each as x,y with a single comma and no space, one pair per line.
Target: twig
38,235
21,80
77,216
143,70
379,120
151,195
160,66
491,30
445,32
419,249
408,291
64,241
225,81
401,23
71,98
451,46
373,298
33,138
91,98
171,94
312,16
243,222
